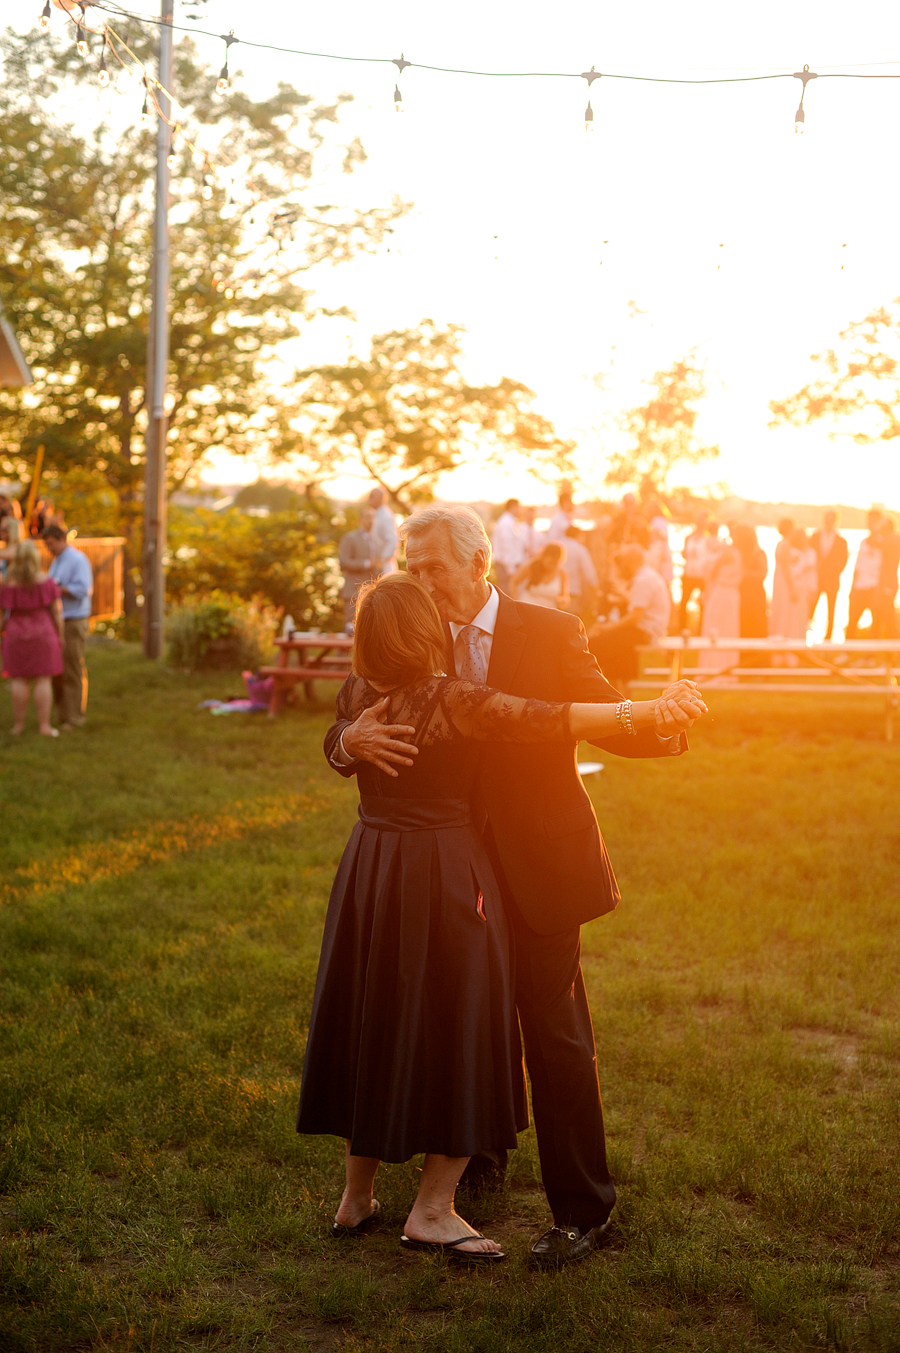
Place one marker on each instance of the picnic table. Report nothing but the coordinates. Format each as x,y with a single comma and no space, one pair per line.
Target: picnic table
320,657
853,667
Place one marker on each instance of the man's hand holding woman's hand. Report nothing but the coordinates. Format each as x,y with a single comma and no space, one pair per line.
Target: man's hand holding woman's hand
370,739
679,706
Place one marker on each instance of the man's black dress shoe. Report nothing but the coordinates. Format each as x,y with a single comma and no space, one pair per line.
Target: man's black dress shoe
564,1245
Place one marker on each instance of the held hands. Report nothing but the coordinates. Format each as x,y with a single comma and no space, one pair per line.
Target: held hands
679,706
371,739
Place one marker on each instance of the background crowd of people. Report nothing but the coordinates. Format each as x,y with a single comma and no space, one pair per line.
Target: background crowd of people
614,568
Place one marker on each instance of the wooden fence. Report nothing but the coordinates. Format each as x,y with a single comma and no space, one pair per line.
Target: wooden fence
106,554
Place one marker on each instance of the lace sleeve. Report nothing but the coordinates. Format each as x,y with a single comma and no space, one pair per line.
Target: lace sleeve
354,696
488,715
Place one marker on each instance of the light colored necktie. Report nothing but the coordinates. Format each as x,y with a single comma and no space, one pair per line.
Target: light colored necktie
472,666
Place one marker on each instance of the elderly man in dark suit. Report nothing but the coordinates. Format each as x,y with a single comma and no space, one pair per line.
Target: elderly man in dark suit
543,837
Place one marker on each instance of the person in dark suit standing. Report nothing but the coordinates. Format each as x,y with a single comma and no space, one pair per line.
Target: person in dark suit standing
542,835
831,559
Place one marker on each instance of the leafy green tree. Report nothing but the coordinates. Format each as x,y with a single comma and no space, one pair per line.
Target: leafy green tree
857,389
75,237
287,560
660,433
406,414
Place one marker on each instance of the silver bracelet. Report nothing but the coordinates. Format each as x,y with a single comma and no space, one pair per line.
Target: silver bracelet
624,717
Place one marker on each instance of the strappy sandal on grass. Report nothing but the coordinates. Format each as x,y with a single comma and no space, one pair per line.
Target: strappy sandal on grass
448,1248
341,1232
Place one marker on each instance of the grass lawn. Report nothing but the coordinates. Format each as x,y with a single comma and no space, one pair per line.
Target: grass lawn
166,876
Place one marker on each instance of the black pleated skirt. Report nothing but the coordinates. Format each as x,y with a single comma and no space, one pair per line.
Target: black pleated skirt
413,1040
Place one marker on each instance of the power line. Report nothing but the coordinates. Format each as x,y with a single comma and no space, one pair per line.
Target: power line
501,74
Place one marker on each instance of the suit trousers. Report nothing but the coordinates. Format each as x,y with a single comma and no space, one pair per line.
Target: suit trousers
70,688
562,1066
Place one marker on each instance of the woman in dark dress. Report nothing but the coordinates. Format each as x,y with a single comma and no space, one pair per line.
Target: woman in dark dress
413,1042
32,635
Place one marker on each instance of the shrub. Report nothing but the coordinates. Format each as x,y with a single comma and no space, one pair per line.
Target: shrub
287,560
220,631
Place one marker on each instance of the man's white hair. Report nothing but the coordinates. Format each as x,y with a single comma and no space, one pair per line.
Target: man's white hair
463,524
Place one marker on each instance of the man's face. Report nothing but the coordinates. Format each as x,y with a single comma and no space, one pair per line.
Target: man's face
366,518
457,590
830,519
55,546
874,520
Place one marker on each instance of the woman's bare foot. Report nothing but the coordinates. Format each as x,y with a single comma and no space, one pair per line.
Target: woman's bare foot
426,1224
17,731
354,1209
49,732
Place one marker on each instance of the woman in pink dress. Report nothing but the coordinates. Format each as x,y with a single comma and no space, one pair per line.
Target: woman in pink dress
32,635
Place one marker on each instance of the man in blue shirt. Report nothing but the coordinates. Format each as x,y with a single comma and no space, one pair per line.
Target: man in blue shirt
71,570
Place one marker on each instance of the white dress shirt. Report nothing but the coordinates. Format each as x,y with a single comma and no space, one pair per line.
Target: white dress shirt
486,621
508,544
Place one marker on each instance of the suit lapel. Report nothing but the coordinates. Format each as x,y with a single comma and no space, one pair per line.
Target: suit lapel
509,642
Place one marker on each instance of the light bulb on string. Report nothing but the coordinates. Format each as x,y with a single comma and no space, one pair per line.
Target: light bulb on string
590,75
170,157
45,16
102,72
81,44
401,63
145,107
206,191
222,82
804,75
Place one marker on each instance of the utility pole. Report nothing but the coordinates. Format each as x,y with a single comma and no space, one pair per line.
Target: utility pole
158,364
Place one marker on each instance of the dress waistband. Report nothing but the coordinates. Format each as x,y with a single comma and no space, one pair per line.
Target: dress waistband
412,815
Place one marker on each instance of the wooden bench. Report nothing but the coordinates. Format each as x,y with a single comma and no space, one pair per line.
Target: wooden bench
320,657
816,669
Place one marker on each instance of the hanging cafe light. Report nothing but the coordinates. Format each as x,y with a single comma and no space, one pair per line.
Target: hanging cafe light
401,63
800,116
45,16
590,75
222,82
102,72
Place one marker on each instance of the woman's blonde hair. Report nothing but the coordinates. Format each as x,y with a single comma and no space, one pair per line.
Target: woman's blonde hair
399,637
26,565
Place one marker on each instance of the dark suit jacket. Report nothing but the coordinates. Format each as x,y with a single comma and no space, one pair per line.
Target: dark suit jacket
542,821
832,564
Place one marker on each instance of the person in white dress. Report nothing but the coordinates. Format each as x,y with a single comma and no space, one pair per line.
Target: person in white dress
789,617
544,581
722,605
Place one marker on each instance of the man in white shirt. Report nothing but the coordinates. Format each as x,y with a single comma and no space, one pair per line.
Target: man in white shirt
384,532
583,581
646,618
508,546
562,519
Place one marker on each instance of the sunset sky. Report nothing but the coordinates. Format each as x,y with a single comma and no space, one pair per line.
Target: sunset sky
698,204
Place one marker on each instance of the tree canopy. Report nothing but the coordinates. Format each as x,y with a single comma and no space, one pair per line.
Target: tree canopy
857,389
406,414
75,234
660,434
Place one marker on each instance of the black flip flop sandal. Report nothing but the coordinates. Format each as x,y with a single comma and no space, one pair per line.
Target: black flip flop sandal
448,1249
342,1232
